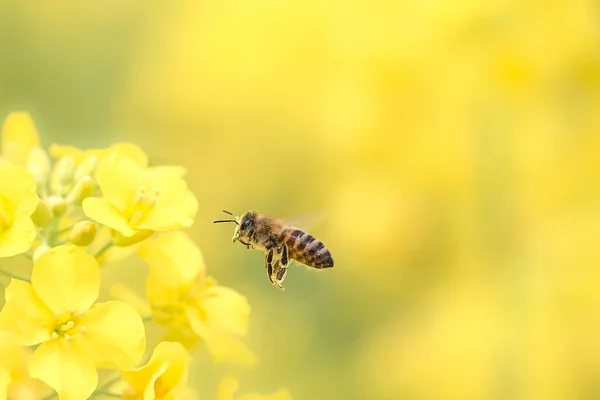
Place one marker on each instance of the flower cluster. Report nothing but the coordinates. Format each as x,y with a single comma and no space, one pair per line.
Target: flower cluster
66,212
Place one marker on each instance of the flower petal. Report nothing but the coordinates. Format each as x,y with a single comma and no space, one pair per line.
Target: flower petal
63,366
166,370
4,382
25,315
18,186
221,345
115,333
172,214
132,151
18,238
119,178
100,210
141,380
175,264
66,278
226,310
19,135
120,291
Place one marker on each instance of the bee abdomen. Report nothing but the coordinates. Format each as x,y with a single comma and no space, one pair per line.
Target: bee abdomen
307,249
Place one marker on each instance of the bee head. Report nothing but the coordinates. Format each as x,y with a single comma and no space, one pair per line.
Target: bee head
245,225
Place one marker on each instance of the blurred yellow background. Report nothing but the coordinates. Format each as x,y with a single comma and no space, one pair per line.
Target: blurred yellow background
453,149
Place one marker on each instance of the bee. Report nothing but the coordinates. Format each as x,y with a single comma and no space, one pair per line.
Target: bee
277,238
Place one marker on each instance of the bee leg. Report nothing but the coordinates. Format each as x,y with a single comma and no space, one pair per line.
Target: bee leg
269,264
282,264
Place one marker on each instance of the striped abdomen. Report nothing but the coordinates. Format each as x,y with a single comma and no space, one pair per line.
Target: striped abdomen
306,249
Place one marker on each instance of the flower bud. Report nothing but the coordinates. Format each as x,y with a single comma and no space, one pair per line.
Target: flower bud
40,251
123,241
62,175
38,163
57,205
42,216
82,189
83,233
85,168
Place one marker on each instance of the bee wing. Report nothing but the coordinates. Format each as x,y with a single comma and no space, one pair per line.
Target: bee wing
307,222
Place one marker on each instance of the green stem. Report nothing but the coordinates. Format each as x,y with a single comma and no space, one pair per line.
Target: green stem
104,249
64,230
14,276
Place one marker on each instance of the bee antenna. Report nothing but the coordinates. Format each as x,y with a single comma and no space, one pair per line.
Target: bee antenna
230,213
226,220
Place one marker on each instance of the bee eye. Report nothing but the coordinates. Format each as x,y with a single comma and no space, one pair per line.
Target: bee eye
246,224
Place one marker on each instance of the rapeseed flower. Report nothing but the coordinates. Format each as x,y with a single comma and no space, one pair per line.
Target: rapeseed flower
135,199
80,155
19,136
164,377
18,201
75,336
15,382
184,298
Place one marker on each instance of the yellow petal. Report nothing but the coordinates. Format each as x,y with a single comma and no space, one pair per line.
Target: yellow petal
175,264
227,388
181,332
25,315
64,366
142,379
61,151
221,345
19,136
66,278
174,210
132,151
226,310
120,179
122,292
18,201
18,186
115,334
166,370
4,382
100,210
18,238
178,359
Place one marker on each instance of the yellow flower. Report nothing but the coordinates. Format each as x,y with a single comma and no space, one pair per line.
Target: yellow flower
163,377
76,336
18,200
15,382
136,199
79,155
230,385
19,136
180,295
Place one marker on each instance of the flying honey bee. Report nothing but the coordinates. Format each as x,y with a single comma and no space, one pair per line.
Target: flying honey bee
277,238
